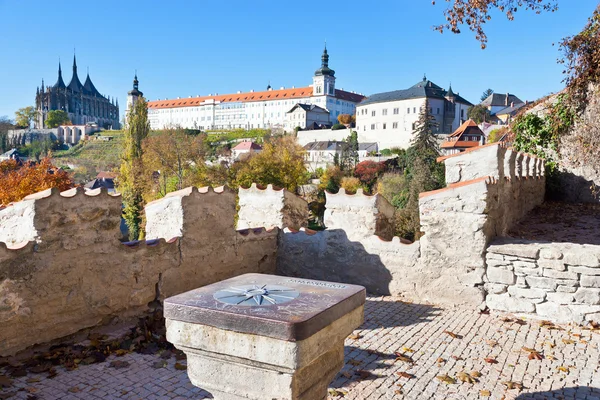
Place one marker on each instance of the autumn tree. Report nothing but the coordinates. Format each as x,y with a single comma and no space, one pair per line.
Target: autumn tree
478,113
280,163
56,118
349,156
368,172
346,119
19,180
476,13
130,181
25,116
179,159
486,93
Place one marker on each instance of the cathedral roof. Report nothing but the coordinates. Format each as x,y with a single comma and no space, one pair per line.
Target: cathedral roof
90,88
60,84
75,84
325,70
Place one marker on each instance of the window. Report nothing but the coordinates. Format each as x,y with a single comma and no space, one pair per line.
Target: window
462,113
414,125
384,112
395,125
408,110
438,110
372,127
373,113
396,111
384,126
414,110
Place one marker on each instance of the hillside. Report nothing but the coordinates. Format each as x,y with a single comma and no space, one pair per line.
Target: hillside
91,156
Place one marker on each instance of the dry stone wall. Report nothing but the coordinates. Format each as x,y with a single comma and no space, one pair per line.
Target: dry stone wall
77,274
557,281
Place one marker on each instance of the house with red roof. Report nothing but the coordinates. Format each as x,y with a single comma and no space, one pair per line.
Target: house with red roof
467,136
245,147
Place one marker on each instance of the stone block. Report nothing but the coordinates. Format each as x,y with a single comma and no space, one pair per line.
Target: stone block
504,302
515,247
566,289
584,270
494,256
549,253
492,263
495,288
587,296
525,264
590,281
541,283
560,298
559,313
527,293
557,265
551,273
528,271
521,282
499,275
581,256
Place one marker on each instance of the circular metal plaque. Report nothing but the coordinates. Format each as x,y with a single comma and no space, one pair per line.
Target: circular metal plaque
256,295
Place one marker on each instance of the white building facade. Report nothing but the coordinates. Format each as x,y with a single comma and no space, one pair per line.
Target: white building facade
389,118
249,110
306,115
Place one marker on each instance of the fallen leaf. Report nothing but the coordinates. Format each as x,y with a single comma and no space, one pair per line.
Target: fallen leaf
446,379
550,357
5,381
491,360
180,367
464,377
453,335
52,373
31,389
513,385
398,391
32,380
160,364
457,358
527,349
74,389
520,322
485,393
121,352
535,355
562,368
405,375
355,336
18,372
356,363
407,350
568,341
363,374
119,364
475,374
492,343
441,360
404,358
336,392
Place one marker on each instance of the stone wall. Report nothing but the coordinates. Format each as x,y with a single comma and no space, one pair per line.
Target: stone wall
269,207
76,274
557,281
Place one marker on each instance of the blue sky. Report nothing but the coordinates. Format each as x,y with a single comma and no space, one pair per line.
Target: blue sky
183,48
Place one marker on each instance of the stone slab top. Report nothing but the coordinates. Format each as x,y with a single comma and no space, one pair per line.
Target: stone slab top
279,307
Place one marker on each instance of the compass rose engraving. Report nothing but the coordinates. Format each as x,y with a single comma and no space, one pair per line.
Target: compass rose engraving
256,295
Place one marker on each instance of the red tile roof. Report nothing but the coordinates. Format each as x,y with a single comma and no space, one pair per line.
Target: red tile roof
282,94
247,146
467,128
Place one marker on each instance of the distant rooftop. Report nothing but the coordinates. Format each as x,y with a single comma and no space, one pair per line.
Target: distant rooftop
422,89
247,146
500,99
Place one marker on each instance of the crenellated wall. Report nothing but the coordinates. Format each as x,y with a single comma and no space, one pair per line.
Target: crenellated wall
76,273
270,207
67,270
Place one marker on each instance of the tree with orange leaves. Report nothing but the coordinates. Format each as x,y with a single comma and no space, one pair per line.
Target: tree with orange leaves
19,180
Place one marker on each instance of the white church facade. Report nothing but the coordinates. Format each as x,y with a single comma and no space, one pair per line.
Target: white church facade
250,110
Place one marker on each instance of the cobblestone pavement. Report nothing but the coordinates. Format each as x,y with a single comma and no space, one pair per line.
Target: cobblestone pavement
434,342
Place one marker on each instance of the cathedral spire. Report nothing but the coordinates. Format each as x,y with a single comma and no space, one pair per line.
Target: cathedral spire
74,64
325,70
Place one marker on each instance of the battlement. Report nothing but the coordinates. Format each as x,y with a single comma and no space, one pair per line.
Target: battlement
63,267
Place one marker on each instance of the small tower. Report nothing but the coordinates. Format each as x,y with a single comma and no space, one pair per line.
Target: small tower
133,95
324,79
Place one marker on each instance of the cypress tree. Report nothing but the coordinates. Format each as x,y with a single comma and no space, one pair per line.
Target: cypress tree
130,179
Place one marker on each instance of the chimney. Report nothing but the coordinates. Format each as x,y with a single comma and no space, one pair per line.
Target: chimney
512,104
251,90
506,100
281,88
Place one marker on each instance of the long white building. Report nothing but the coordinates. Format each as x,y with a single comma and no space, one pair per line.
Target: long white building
248,110
389,118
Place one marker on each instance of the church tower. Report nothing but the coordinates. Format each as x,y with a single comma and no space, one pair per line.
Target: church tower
324,79
133,95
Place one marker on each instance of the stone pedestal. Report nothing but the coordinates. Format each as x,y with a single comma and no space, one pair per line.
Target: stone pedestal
263,336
